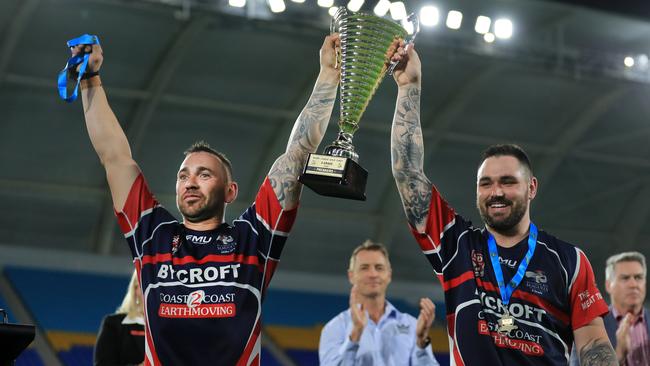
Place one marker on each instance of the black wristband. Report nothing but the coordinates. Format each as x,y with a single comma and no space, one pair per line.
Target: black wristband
427,342
89,75
73,74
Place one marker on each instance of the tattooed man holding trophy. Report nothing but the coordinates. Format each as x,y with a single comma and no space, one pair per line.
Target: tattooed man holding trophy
202,302
528,313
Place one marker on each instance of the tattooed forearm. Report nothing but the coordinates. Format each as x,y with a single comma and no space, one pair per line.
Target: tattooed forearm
598,353
307,133
407,153
309,129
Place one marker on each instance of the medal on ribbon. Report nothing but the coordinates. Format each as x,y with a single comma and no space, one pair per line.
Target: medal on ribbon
70,68
507,322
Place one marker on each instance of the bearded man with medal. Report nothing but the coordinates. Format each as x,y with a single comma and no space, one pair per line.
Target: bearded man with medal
536,294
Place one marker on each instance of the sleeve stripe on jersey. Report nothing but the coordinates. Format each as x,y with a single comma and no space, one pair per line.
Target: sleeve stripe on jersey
269,267
252,349
249,224
587,302
458,358
268,227
268,207
577,270
167,257
528,297
441,217
151,356
447,227
460,237
139,248
131,227
457,281
136,202
435,250
566,275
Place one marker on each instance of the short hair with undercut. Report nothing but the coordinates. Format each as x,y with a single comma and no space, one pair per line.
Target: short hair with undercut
513,150
623,257
202,146
370,246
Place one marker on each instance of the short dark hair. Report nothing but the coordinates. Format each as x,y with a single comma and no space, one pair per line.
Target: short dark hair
513,150
202,146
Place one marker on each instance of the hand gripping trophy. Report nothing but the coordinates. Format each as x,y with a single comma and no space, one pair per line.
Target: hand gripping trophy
366,41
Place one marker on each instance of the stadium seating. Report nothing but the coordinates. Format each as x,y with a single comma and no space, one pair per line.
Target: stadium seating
69,307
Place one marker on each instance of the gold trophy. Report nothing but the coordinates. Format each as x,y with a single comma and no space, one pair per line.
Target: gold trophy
365,44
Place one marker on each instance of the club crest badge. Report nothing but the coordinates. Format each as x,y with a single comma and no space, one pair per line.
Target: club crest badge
225,244
478,262
176,240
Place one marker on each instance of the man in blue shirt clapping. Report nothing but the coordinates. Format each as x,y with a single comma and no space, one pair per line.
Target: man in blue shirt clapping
372,331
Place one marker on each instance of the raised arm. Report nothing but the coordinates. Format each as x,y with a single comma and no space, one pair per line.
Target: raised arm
106,134
407,148
593,345
308,130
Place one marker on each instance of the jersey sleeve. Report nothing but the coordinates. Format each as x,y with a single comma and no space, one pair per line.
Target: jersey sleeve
586,301
272,224
440,239
141,216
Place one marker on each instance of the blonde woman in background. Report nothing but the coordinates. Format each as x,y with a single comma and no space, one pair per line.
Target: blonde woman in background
121,337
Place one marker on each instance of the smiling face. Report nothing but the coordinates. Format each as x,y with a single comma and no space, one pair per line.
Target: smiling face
504,190
203,187
371,273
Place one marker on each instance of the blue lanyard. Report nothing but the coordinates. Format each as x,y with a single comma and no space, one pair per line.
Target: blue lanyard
82,59
507,290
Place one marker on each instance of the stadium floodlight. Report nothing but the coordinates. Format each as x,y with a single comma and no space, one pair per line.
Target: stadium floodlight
642,60
397,10
454,19
628,61
355,5
237,3
325,3
332,11
277,6
503,28
298,1
429,15
382,7
482,25
488,37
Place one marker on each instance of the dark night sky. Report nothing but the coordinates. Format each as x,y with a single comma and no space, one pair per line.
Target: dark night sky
634,8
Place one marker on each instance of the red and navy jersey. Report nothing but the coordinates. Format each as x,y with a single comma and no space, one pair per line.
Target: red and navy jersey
203,290
557,295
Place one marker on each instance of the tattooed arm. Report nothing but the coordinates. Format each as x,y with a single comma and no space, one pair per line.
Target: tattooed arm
407,149
309,129
593,345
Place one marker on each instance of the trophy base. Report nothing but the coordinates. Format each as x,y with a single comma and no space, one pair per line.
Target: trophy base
335,176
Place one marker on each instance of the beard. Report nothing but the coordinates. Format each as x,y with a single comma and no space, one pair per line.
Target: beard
507,223
207,208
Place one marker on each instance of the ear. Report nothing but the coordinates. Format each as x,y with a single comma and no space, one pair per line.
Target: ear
231,192
532,188
351,278
608,287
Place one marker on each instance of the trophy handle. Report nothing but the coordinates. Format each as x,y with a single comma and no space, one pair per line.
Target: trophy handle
409,41
334,28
